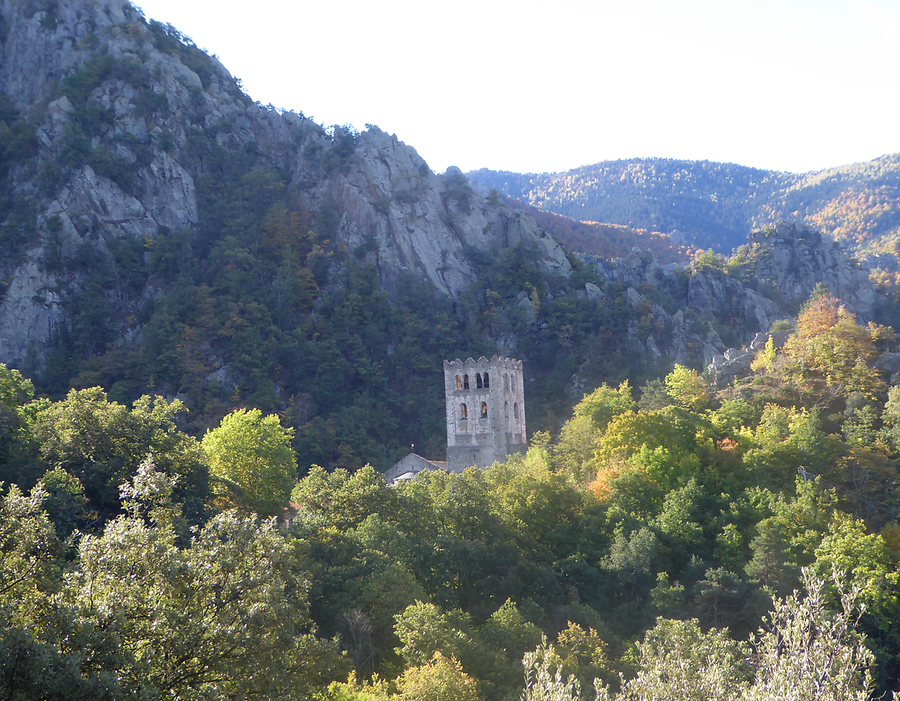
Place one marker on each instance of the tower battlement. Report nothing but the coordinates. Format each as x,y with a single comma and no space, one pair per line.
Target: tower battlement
485,411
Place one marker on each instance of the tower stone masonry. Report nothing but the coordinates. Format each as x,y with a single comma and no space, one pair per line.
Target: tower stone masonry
485,411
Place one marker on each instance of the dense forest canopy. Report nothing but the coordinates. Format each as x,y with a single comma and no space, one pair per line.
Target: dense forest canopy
656,524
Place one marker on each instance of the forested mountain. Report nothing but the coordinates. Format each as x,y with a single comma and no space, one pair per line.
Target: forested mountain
163,234
715,205
632,554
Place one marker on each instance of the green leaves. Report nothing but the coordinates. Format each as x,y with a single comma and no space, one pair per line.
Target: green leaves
102,443
252,462
224,616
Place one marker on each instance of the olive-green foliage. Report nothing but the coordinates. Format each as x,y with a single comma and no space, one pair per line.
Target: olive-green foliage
439,679
134,615
678,661
687,388
830,346
474,567
342,499
605,403
491,653
65,502
102,443
810,650
19,461
785,440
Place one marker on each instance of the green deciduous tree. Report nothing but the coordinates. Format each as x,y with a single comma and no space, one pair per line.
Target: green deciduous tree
102,443
604,403
830,345
687,388
223,617
532,498
679,662
439,679
631,557
864,559
18,450
252,462
343,499
424,629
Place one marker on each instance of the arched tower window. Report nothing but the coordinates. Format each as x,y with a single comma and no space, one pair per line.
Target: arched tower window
506,409
483,410
478,384
515,410
458,382
506,382
487,381
465,382
463,411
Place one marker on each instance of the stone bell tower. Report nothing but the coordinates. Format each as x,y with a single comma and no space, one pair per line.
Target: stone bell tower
485,411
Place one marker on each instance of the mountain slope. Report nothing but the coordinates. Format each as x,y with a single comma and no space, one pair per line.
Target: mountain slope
164,234
133,128
715,205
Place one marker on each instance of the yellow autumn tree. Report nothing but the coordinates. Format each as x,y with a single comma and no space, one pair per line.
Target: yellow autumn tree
829,345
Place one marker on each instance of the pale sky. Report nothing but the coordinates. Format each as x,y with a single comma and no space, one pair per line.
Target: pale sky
793,85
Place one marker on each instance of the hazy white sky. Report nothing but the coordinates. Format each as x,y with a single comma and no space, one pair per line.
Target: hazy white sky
526,86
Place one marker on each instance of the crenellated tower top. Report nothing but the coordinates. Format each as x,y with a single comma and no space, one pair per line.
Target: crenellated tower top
485,411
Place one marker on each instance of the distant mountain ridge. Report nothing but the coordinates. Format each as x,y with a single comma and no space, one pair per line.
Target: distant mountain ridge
716,205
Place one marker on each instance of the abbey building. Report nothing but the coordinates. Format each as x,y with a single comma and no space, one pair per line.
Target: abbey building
485,404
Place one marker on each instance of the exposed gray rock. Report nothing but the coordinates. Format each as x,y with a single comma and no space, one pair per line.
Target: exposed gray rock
888,363
593,292
30,312
385,196
422,223
785,259
735,362
725,367
634,298
794,259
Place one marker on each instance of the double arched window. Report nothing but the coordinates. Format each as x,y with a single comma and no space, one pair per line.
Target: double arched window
458,382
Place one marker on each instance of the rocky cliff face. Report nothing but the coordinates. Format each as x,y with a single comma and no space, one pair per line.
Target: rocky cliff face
794,259
686,310
124,114
417,221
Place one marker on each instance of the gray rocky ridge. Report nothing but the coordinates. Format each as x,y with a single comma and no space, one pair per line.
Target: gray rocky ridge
156,101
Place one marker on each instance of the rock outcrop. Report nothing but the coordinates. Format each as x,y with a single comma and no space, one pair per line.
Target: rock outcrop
736,362
794,259
785,261
423,223
683,307
156,104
